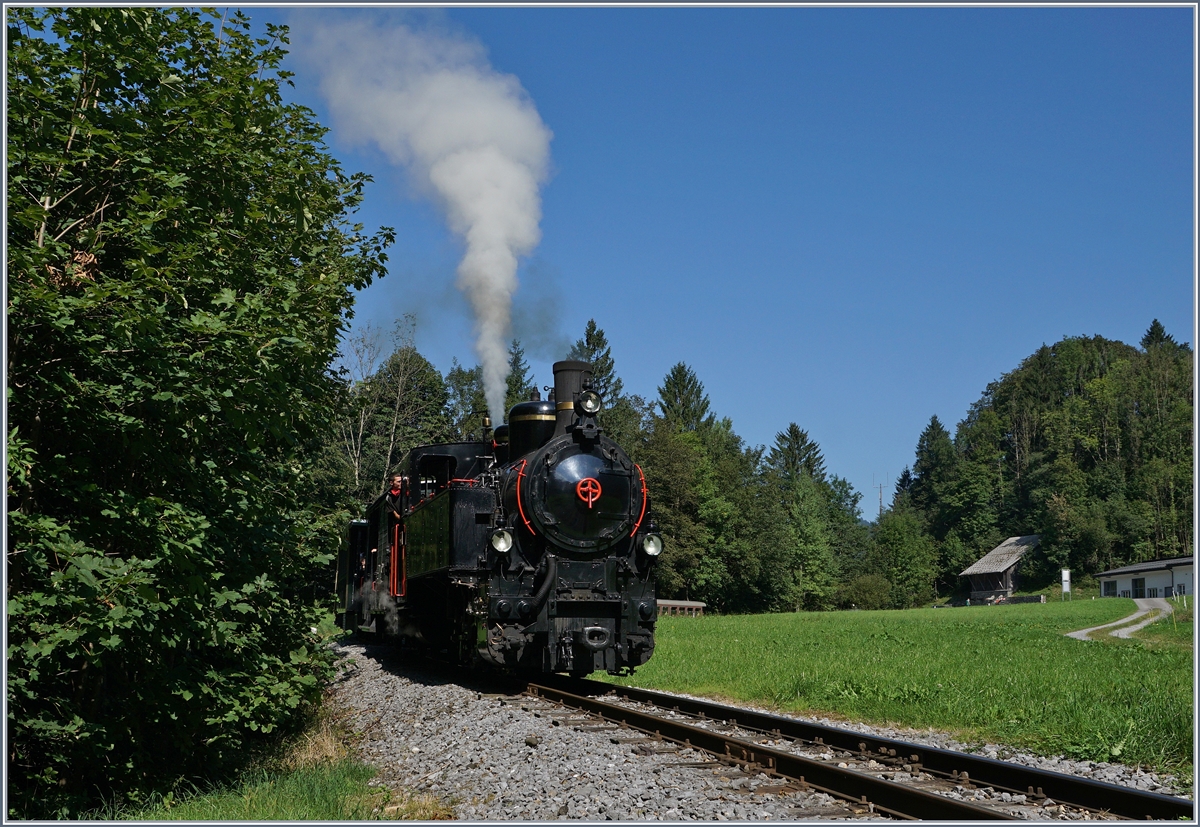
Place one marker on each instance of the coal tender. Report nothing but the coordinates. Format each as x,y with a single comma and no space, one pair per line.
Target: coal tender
532,550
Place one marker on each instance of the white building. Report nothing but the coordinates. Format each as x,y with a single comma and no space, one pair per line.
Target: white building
1154,578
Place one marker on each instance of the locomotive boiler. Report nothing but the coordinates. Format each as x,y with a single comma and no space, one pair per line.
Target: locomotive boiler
531,550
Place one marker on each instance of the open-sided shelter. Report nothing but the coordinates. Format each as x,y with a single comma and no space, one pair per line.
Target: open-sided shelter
995,574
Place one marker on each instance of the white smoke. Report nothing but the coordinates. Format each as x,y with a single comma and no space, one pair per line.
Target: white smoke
469,136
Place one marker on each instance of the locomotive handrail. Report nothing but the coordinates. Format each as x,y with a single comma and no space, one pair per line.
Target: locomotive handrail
520,508
641,516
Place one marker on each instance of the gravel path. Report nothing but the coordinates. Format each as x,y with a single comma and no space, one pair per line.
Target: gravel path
492,760
1155,607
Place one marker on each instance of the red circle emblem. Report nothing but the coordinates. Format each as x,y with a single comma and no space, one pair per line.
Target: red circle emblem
588,490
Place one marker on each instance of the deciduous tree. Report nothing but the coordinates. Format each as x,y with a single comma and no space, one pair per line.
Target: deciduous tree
180,265
466,400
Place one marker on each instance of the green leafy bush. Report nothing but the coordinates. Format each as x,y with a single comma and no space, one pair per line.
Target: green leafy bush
871,591
180,265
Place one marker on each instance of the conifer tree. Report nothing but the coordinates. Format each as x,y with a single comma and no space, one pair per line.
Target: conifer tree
795,454
682,399
520,382
904,484
932,472
594,348
1157,335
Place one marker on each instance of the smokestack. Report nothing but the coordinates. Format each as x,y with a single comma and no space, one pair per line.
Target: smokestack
470,138
568,382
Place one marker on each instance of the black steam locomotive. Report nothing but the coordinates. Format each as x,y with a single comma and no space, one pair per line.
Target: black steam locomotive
532,550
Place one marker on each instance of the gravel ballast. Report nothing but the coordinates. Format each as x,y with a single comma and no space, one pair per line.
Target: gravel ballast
491,760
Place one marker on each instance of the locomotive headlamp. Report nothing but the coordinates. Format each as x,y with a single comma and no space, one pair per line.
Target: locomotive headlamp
589,402
502,540
652,545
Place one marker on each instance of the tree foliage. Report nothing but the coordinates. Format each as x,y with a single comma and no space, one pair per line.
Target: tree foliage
1086,443
466,400
594,348
745,532
904,555
795,455
391,405
180,262
520,381
682,400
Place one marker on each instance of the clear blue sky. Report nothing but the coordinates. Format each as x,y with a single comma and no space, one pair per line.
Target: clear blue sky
852,219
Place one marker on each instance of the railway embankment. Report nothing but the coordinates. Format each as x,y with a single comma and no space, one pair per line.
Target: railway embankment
490,755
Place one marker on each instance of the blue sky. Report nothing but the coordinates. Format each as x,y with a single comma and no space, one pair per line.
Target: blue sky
851,219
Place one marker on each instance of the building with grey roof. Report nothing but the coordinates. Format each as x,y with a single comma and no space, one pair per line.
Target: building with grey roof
1153,578
994,574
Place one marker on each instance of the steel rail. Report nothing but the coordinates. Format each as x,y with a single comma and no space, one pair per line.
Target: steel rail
1071,790
885,796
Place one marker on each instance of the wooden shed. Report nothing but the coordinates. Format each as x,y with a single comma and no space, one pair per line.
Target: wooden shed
995,574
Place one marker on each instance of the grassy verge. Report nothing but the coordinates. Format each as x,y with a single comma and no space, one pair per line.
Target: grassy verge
311,777
1175,630
1002,673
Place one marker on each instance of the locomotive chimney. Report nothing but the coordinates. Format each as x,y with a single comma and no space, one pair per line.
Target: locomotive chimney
568,382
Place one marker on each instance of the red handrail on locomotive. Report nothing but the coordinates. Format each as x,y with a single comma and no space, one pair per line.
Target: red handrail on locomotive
521,476
641,516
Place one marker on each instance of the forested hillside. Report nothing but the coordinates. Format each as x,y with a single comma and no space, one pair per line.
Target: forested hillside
1087,442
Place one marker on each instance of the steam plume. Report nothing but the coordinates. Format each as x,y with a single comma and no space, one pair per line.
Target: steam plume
469,136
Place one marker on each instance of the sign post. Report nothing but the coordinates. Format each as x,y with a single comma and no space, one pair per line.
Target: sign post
1066,581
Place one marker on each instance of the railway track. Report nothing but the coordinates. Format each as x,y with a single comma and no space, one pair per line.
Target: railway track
871,774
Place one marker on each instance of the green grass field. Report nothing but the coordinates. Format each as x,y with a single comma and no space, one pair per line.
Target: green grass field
998,673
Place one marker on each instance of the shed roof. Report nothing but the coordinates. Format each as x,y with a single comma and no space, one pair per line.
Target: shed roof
1003,556
1149,565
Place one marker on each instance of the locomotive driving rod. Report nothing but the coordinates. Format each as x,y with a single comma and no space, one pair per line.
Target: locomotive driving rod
886,796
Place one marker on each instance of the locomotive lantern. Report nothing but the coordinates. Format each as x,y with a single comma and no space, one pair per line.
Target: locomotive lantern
533,550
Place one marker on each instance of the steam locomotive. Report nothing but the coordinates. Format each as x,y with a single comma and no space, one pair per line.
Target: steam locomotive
531,551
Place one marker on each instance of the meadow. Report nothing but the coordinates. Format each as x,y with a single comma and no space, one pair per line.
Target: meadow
997,673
